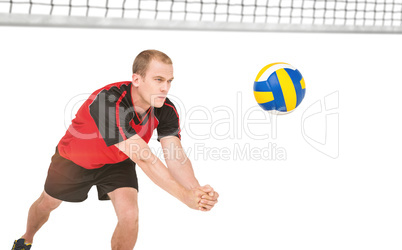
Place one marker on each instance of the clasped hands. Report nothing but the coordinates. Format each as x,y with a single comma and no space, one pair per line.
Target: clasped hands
202,198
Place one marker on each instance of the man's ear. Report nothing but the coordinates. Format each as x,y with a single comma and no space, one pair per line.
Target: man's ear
136,80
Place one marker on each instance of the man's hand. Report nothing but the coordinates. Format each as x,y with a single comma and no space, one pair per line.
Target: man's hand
192,198
208,199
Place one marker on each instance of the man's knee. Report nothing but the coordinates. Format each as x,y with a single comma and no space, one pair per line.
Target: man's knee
48,203
129,217
125,204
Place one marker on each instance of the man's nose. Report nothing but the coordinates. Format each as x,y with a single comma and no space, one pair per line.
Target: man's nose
165,86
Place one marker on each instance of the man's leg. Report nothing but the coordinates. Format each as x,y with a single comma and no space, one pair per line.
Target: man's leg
125,204
39,214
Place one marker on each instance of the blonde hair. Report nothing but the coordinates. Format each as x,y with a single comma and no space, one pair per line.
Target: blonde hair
144,58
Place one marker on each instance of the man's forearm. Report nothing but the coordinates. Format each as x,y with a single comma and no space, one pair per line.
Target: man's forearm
139,152
160,175
178,163
183,172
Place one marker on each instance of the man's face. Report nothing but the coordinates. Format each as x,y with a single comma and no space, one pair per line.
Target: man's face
154,87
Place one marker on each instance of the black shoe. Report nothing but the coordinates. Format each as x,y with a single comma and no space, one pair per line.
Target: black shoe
20,245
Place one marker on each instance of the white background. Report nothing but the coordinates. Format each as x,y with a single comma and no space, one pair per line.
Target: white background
338,187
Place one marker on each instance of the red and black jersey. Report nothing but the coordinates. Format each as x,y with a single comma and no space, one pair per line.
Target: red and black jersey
108,117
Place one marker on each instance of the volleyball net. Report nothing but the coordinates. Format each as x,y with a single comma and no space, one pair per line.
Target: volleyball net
231,15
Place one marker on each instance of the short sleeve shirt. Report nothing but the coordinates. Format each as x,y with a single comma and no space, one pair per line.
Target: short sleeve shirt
108,117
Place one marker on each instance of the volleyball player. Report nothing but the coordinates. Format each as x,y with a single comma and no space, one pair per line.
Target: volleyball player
107,139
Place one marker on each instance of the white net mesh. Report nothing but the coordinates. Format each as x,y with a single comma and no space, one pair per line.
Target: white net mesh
216,14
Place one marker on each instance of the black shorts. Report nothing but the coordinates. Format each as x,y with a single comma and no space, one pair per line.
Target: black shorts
68,181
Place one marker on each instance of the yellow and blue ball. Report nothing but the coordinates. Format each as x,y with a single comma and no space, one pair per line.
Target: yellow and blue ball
280,87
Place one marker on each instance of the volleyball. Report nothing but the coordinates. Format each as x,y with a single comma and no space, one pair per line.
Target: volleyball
279,87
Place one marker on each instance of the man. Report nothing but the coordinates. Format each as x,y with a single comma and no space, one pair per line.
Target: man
105,141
